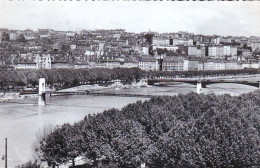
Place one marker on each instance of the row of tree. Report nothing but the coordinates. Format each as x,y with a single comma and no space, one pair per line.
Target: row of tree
181,131
80,76
67,76
202,73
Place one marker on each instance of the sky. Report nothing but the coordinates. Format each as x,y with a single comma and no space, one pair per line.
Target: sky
238,18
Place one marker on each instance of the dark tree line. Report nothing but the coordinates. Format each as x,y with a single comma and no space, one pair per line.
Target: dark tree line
5,36
65,77
202,73
181,131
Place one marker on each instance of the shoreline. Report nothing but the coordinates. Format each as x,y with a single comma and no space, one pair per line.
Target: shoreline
14,96
95,89
87,89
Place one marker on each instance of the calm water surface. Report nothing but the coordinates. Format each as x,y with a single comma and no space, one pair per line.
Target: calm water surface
21,119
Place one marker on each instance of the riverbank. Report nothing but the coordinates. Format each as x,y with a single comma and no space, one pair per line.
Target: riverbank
96,87
119,89
4,97
78,90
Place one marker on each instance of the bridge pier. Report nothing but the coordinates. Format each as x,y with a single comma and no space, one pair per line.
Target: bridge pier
199,87
41,94
203,84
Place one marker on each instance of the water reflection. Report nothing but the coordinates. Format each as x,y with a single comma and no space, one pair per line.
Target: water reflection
40,110
41,100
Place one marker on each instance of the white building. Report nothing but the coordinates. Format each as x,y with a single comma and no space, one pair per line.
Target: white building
44,61
129,65
170,48
191,50
233,51
70,34
255,46
227,50
160,41
233,65
29,37
255,65
73,46
117,35
26,65
220,51
214,65
212,52
148,64
101,46
171,65
225,40
113,64
180,41
250,65
190,65
13,36
216,40
145,50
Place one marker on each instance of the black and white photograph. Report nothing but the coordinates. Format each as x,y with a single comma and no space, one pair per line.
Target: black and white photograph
129,84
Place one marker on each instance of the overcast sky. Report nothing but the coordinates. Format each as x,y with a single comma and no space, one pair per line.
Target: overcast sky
222,18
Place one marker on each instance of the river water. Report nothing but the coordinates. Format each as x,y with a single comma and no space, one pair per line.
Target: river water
20,120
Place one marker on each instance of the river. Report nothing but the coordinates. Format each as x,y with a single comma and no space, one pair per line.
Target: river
20,120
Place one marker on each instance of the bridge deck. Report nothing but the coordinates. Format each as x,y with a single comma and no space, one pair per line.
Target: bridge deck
204,82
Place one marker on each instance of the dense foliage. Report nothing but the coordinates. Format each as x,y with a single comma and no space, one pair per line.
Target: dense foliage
181,131
203,73
79,76
67,76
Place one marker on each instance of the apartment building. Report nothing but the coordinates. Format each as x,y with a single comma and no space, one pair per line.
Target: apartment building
191,50
43,61
148,64
212,51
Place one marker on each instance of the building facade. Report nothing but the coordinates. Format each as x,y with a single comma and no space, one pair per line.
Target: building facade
43,61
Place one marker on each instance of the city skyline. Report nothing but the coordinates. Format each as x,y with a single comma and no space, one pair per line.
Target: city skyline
114,29
207,18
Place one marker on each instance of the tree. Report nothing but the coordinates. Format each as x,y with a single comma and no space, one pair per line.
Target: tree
41,140
149,37
166,131
5,36
73,141
21,38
